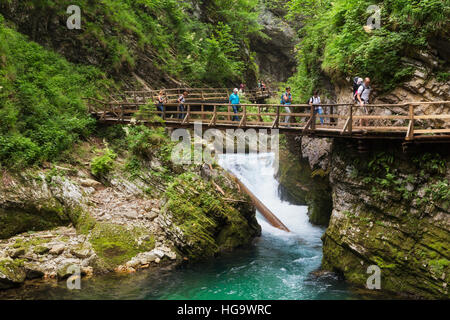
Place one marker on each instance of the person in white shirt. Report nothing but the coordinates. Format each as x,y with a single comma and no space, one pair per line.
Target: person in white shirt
181,100
363,97
315,101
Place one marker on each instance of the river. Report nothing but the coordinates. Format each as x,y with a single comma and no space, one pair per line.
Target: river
277,265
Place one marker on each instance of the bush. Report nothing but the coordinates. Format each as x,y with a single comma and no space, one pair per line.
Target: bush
17,151
102,165
143,141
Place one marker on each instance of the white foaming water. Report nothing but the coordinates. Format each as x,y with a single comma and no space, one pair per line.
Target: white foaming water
257,172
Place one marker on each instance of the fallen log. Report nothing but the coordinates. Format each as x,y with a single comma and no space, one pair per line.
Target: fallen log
270,217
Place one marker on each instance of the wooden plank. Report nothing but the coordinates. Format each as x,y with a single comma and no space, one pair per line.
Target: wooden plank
430,131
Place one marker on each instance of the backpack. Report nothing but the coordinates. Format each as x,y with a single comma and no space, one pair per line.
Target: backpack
282,100
356,86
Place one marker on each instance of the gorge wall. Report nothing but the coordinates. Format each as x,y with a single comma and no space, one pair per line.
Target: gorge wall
390,209
275,51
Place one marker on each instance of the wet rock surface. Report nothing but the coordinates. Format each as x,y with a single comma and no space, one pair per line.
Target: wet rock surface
399,221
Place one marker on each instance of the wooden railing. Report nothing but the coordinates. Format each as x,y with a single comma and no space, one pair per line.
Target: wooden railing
195,95
381,120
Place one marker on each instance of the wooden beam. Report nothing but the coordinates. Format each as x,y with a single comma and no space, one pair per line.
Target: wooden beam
410,132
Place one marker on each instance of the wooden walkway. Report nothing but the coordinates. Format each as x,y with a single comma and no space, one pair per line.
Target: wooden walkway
383,121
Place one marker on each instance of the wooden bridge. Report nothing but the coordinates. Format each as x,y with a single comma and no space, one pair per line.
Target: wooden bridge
382,121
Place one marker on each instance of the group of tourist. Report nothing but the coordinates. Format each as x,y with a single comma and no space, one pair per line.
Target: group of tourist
161,99
361,95
286,100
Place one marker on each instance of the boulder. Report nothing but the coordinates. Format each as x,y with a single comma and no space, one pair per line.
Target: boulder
15,253
57,249
81,253
12,273
41,250
90,183
67,269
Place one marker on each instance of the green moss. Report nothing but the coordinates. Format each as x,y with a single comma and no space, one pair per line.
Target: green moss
115,244
26,243
382,264
41,249
85,223
439,265
11,273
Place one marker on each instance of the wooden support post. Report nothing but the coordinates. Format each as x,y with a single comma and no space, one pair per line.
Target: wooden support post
276,122
202,108
312,118
188,114
332,120
244,116
259,114
229,110
410,132
350,123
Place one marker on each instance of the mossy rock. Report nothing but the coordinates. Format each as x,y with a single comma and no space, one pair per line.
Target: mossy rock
15,221
115,244
12,273
208,223
41,250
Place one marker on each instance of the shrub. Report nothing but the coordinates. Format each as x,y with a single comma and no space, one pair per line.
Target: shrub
143,141
103,164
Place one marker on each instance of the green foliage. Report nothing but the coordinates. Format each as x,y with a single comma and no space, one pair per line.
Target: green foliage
103,164
440,191
41,104
431,163
118,32
335,42
144,141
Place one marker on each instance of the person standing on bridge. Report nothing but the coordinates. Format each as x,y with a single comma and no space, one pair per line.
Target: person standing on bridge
363,97
315,101
161,99
235,101
286,100
181,101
